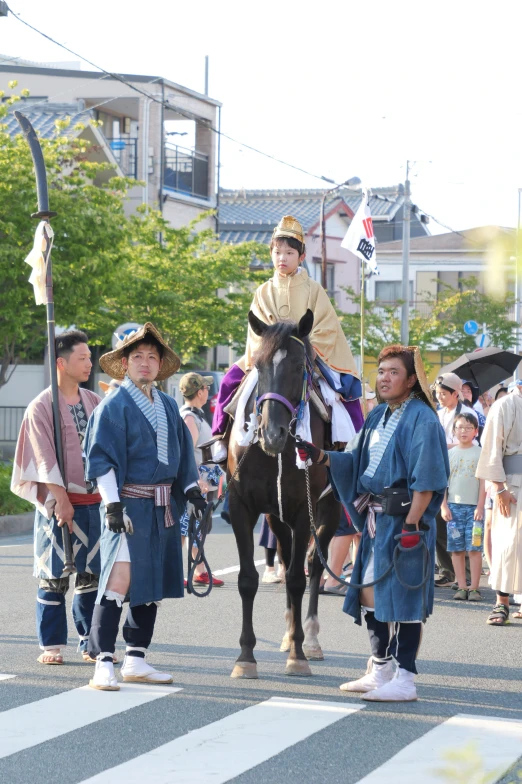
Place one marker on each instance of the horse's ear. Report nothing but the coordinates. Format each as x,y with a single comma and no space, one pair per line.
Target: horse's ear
257,325
306,324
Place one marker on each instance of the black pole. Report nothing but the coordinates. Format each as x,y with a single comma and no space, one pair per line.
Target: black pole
45,214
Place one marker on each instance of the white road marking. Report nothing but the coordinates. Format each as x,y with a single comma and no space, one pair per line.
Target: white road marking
228,747
497,741
6,677
36,722
231,569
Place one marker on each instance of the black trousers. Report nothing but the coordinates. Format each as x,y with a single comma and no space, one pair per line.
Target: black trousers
398,640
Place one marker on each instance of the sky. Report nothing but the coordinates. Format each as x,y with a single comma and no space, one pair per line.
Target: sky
338,88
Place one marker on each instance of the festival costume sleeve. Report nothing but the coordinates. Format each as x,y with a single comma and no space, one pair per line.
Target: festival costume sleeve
343,473
493,441
253,340
427,460
105,447
35,463
327,336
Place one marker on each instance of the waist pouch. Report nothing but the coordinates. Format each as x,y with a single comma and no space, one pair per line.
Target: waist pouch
395,501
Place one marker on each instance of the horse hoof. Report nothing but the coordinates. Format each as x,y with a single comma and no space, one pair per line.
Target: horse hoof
297,667
313,654
245,670
285,644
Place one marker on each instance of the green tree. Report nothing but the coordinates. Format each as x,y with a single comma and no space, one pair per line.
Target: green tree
442,328
90,241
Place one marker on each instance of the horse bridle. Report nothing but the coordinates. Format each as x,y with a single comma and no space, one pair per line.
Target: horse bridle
296,412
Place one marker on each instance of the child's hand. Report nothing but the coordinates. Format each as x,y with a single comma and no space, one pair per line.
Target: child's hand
478,514
446,514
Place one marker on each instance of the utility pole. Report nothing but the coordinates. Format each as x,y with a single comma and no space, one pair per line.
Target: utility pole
353,182
406,218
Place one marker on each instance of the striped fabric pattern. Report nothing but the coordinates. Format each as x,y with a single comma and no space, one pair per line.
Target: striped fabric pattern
381,437
154,413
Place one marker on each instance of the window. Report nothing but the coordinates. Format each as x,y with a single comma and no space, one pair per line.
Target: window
330,275
390,290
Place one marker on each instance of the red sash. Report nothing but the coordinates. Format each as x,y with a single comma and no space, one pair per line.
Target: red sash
84,499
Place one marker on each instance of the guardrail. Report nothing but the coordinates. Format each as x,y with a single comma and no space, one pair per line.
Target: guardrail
10,421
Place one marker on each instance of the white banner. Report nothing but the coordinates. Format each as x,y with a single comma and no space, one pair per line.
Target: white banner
36,260
360,238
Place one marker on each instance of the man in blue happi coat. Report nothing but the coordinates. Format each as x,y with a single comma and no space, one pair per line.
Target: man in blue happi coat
392,479
140,453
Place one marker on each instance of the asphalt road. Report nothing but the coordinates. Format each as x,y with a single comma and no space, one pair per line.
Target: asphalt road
466,667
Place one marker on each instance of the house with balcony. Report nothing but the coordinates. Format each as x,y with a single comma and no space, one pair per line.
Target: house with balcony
154,130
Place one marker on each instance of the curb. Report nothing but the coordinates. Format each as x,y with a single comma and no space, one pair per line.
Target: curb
16,524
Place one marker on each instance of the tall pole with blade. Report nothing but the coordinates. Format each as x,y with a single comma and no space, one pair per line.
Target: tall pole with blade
45,214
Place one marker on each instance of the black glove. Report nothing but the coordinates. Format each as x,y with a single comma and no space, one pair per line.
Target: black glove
308,451
194,497
114,518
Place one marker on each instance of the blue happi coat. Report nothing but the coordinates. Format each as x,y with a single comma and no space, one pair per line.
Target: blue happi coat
120,437
416,458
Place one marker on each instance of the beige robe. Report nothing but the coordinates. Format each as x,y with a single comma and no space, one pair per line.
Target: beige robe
503,436
289,297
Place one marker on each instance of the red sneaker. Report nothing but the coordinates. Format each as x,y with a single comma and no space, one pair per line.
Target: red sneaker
185,582
203,579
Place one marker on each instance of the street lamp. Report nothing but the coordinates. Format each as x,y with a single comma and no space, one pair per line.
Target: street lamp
351,183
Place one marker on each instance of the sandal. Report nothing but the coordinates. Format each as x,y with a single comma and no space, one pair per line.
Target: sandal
87,658
499,615
461,595
474,595
50,658
517,614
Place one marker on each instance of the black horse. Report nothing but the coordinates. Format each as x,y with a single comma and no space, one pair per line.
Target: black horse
269,482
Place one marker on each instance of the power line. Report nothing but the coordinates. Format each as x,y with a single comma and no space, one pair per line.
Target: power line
167,104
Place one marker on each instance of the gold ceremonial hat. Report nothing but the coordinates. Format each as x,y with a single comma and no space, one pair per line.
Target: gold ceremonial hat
288,226
112,365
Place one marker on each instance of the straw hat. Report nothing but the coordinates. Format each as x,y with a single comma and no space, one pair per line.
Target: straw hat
114,384
112,365
288,226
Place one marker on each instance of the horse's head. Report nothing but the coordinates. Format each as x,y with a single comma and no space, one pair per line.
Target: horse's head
281,364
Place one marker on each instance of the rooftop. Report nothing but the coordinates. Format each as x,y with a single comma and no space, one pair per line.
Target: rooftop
474,239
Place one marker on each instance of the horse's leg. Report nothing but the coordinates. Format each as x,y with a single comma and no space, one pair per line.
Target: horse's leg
284,551
296,664
328,512
243,522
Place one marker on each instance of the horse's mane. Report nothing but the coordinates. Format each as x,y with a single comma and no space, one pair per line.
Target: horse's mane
276,336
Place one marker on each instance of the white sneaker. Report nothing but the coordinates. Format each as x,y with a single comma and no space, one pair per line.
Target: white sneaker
400,689
377,675
104,678
270,577
219,451
136,670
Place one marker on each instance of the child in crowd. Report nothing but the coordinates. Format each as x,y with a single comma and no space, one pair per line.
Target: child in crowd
463,507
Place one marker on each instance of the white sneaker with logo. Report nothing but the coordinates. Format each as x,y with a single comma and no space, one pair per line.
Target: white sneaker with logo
400,689
376,675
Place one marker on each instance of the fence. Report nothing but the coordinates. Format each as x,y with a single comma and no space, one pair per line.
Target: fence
10,421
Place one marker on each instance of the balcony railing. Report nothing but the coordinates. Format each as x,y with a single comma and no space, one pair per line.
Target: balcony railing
186,171
126,153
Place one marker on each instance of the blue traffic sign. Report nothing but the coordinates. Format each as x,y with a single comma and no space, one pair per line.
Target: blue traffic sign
471,327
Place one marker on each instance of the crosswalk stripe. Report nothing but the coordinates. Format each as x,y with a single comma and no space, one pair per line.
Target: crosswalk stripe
37,722
4,677
497,741
228,747
231,569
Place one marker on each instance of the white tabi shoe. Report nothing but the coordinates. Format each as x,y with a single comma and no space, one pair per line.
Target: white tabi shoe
270,577
104,678
400,689
377,675
136,670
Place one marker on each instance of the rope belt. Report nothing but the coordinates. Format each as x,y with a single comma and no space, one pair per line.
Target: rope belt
160,493
369,502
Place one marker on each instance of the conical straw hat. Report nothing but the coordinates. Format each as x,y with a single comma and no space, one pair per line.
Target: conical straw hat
112,365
